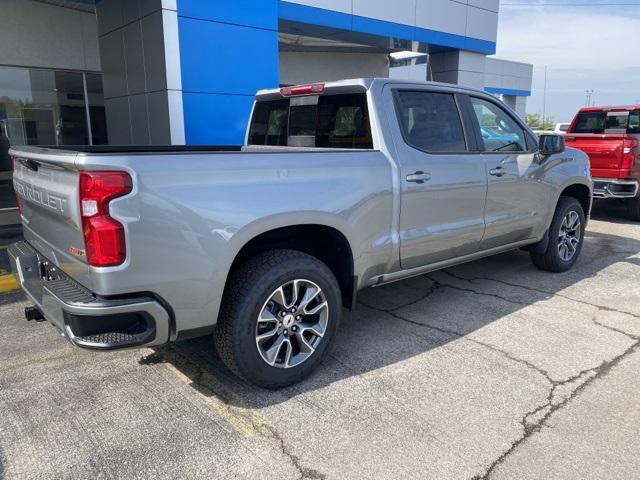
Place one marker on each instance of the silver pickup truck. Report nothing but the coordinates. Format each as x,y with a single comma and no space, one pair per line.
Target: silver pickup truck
340,186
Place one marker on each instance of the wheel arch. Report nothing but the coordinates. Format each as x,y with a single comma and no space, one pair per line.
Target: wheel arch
324,242
580,192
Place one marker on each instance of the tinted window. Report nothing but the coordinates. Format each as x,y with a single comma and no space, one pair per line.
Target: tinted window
430,121
324,121
634,123
607,122
500,132
622,122
591,122
269,124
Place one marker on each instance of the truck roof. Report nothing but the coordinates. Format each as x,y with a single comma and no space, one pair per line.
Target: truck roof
611,108
361,84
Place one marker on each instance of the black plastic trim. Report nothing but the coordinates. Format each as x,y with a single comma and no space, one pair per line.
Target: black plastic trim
195,333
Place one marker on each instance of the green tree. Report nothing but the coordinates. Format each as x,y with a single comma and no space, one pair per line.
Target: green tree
534,121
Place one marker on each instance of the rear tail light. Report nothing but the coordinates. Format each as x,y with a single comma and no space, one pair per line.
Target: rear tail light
629,153
299,90
103,236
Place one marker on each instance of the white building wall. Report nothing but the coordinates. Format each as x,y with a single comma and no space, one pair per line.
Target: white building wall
414,73
506,74
304,67
35,34
459,67
472,18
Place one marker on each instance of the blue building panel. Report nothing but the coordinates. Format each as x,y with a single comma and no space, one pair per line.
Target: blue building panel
250,13
229,50
211,119
507,91
382,28
433,37
295,12
314,16
227,59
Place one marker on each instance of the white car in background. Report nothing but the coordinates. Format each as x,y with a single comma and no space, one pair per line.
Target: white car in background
561,128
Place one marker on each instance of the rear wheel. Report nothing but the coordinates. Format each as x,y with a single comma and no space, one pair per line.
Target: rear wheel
280,312
566,235
633,209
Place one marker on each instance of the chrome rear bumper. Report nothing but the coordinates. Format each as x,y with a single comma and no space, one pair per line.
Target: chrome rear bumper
86,319
614,188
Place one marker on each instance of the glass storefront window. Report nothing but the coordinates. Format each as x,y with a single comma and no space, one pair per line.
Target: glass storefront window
46,107
95,98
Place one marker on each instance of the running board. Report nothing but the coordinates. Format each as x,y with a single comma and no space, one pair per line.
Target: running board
414,272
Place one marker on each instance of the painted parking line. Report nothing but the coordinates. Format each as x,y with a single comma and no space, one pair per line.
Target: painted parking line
8,283
236,413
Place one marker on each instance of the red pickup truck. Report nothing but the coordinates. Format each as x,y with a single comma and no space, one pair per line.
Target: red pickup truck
611,138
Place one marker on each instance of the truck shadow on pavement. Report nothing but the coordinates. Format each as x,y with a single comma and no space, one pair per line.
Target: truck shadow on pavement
612,211
407,319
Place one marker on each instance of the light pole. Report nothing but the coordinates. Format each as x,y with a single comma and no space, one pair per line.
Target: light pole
544,98
589,93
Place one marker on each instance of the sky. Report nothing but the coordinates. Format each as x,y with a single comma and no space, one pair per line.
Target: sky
585,45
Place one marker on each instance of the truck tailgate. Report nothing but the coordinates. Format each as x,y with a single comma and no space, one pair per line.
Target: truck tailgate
604,150
46,184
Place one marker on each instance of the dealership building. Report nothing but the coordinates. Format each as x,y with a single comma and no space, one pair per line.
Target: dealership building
185,71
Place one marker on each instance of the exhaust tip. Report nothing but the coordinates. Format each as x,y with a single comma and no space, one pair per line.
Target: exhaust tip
33,313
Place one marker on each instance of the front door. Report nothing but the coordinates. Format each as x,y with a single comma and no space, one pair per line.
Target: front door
443,184
517,195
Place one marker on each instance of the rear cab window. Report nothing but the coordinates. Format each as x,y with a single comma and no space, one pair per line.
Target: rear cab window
607,122
317,121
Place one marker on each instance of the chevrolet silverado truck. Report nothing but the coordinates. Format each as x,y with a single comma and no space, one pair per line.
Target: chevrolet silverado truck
340,186
611,138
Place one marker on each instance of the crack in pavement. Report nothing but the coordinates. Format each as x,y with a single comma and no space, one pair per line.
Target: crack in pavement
601,308
545,292
305,472
534,427
211,388
532,422
434,288
393,312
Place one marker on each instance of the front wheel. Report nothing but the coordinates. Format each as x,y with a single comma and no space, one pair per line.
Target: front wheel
280,311
566,236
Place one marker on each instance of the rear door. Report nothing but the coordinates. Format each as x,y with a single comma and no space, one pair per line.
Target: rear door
516,196
443,183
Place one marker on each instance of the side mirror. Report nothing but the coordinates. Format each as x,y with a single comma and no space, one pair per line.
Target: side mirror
551,144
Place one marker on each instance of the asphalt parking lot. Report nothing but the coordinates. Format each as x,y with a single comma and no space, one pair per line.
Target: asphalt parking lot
487,370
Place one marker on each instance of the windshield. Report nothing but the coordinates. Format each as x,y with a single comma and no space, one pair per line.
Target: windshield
608,122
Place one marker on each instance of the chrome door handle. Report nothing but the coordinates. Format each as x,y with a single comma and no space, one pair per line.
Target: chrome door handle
498,172
419,177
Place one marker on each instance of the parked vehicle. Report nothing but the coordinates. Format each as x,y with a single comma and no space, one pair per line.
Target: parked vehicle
340,186
611,138
561,128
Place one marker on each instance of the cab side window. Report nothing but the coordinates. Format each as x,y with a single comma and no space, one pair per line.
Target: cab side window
500,132
430,121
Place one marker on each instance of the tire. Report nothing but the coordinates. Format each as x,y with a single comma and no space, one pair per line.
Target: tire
252,292
554,258
633,209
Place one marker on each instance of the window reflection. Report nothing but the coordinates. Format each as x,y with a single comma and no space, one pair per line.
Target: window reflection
46,107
